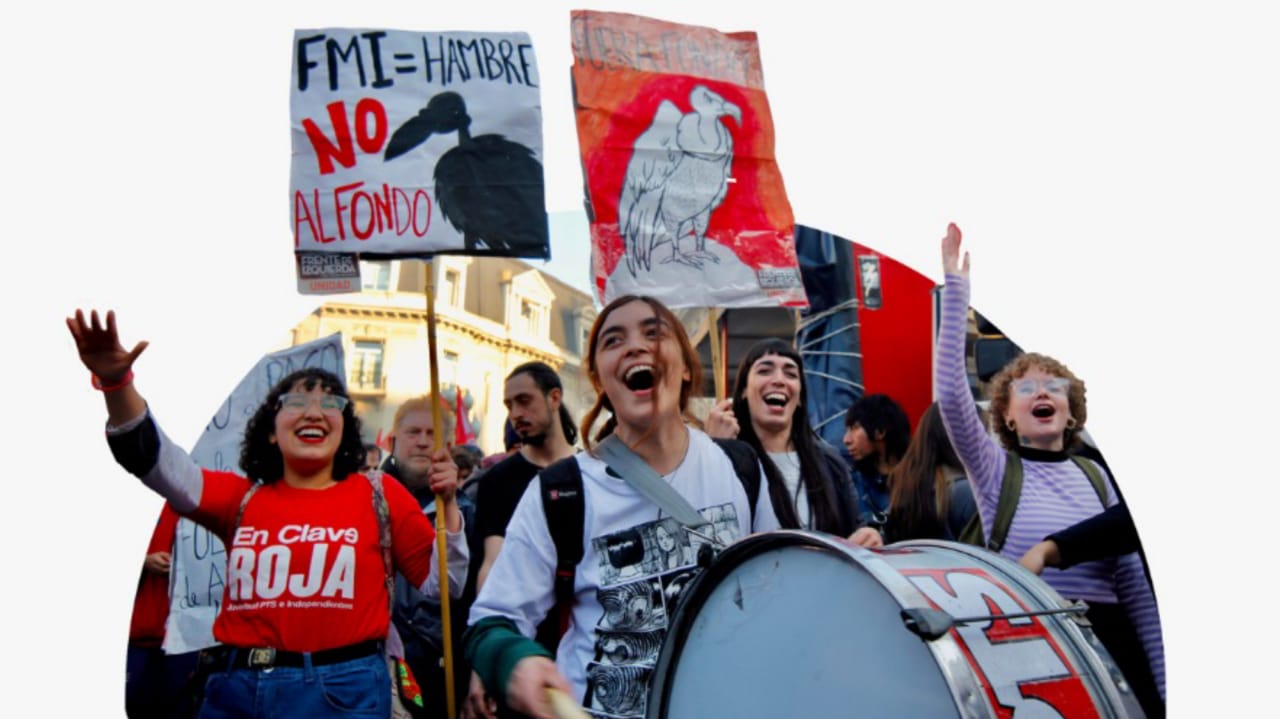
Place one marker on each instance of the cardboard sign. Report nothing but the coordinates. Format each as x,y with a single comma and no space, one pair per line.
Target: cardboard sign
686,200
198,570
409,144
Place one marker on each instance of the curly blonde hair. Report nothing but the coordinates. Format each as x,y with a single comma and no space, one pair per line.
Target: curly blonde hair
1001,387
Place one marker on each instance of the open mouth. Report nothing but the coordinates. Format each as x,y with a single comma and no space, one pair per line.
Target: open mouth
775,399
639,378
1043,411
311,434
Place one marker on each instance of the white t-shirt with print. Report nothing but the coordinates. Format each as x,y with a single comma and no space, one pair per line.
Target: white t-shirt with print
635,562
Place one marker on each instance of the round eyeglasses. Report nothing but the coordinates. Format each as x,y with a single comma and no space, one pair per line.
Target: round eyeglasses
299,401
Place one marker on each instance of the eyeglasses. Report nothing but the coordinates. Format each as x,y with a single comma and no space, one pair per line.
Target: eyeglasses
297,402
1027,387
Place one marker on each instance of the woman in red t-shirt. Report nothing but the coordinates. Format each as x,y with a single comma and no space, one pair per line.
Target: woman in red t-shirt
305,609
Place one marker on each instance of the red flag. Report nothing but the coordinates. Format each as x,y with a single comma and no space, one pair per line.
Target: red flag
462,433
383,442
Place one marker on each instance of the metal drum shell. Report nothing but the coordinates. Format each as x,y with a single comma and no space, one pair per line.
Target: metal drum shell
859,659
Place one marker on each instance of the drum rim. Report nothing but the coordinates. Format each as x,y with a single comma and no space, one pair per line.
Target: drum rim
947,656
1098,669
1094,665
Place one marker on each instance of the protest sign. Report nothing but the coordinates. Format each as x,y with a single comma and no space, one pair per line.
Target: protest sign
409,144
686,200
198,569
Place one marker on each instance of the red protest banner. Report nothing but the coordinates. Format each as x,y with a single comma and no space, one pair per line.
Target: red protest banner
685,196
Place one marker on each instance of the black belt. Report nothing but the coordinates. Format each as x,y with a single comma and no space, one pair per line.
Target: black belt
267,657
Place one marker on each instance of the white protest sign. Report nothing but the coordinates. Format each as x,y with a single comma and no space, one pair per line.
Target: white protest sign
198,570
407,144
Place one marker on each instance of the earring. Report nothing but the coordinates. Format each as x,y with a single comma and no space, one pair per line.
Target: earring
1071,422
1009,424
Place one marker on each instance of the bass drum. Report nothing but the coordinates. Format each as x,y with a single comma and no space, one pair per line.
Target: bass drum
798,624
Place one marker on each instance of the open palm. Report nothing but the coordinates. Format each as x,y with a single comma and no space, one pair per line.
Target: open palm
99,346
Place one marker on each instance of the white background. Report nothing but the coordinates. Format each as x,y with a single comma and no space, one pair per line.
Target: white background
1110,164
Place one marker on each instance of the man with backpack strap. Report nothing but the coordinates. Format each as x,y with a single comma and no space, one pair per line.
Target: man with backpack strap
534,398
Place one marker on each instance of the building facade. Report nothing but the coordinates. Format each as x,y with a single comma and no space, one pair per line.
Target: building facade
492,314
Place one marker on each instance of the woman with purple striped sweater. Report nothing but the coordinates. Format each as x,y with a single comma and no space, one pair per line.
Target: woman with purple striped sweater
1038,410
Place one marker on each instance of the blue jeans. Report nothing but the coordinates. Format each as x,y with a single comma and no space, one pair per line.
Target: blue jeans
356,688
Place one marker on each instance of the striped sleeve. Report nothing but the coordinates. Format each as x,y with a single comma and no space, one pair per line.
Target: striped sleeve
1134,592
982,458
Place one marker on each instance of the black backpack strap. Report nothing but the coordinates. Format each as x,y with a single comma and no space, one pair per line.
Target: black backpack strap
746,464
565,510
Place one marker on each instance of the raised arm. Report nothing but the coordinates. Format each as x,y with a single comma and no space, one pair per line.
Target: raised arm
136,442
110,364
982,458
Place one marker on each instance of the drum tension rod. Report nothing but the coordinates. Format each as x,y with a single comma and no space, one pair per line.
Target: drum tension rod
929,624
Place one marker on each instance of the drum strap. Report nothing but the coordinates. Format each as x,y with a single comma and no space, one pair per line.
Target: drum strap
633,470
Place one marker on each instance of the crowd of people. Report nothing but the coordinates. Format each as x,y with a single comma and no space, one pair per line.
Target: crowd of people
564,586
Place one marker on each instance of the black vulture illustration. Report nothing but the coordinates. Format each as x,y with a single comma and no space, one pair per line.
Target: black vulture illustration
488,187
678,174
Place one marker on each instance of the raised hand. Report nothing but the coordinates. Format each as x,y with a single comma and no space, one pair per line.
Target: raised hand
951,260
99,346
721,421
443,477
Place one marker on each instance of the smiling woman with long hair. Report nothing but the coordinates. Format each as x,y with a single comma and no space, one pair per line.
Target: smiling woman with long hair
305,609
809,484
645,373
1038,410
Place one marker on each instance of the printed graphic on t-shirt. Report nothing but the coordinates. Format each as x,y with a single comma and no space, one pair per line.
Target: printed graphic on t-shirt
643,571
259,566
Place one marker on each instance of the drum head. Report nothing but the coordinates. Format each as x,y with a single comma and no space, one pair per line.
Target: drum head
786,625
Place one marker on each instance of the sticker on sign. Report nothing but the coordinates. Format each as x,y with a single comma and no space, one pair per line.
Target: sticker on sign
778,278
322,273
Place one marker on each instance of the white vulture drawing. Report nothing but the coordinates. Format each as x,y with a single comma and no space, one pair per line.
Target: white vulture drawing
678,174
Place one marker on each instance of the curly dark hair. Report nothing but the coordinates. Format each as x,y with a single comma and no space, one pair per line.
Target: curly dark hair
260,458
1000,389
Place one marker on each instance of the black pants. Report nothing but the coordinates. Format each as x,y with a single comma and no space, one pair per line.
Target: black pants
1112,626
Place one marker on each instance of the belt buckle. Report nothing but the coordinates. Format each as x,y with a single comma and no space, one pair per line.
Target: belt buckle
262,657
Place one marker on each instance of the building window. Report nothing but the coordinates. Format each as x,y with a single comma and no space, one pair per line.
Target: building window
530,317
452,288
375,275
449,367
366,365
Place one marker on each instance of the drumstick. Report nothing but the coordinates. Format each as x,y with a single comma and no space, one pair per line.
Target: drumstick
564,707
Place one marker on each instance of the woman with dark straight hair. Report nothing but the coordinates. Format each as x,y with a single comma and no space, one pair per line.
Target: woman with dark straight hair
929,496
809,484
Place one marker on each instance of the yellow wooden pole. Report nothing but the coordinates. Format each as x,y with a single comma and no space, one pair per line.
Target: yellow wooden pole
441,544
717,351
